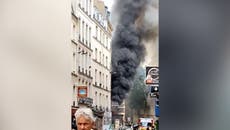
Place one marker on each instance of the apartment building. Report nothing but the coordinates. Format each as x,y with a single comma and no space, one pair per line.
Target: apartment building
91,57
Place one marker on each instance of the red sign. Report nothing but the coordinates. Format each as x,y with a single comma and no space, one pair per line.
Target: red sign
82,91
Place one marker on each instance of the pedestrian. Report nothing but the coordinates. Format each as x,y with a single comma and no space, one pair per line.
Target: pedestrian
84,119
149,126
74,126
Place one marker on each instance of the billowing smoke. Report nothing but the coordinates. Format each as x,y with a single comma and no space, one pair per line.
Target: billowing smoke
131,27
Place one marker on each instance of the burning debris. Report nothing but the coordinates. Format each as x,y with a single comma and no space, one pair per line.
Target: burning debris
128,51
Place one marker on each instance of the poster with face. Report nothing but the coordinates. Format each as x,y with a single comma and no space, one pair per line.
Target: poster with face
152,75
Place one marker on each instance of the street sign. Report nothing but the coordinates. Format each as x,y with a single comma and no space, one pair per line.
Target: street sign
157,111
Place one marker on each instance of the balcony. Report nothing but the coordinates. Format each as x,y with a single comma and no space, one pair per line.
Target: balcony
99,63
81,41
98,111
73,73
86,101
84,73
100,86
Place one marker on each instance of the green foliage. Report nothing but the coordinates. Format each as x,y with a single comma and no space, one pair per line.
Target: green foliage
137,96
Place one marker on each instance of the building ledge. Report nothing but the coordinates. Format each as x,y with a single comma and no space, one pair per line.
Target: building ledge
84,74
74,15
100,88
101,43
101,64
74,74
85,45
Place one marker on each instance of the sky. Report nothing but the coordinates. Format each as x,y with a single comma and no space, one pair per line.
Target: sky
109,3
151,57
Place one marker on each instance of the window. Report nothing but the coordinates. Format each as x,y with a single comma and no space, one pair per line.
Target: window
73,33
100,99
89,65
100,36
89,37
83,31
76,60
86,62
83,4
96,77
106,62
103,80
96,32
83,59
90,4
80,58
103,100
80,3
89,60
103,39
106,42
74,93
106,81
87,6
86,35
79,29
100,57
100,78
107,99
96,98
96,54
109,43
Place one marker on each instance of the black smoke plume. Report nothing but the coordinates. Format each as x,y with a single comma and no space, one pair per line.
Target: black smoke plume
127,49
